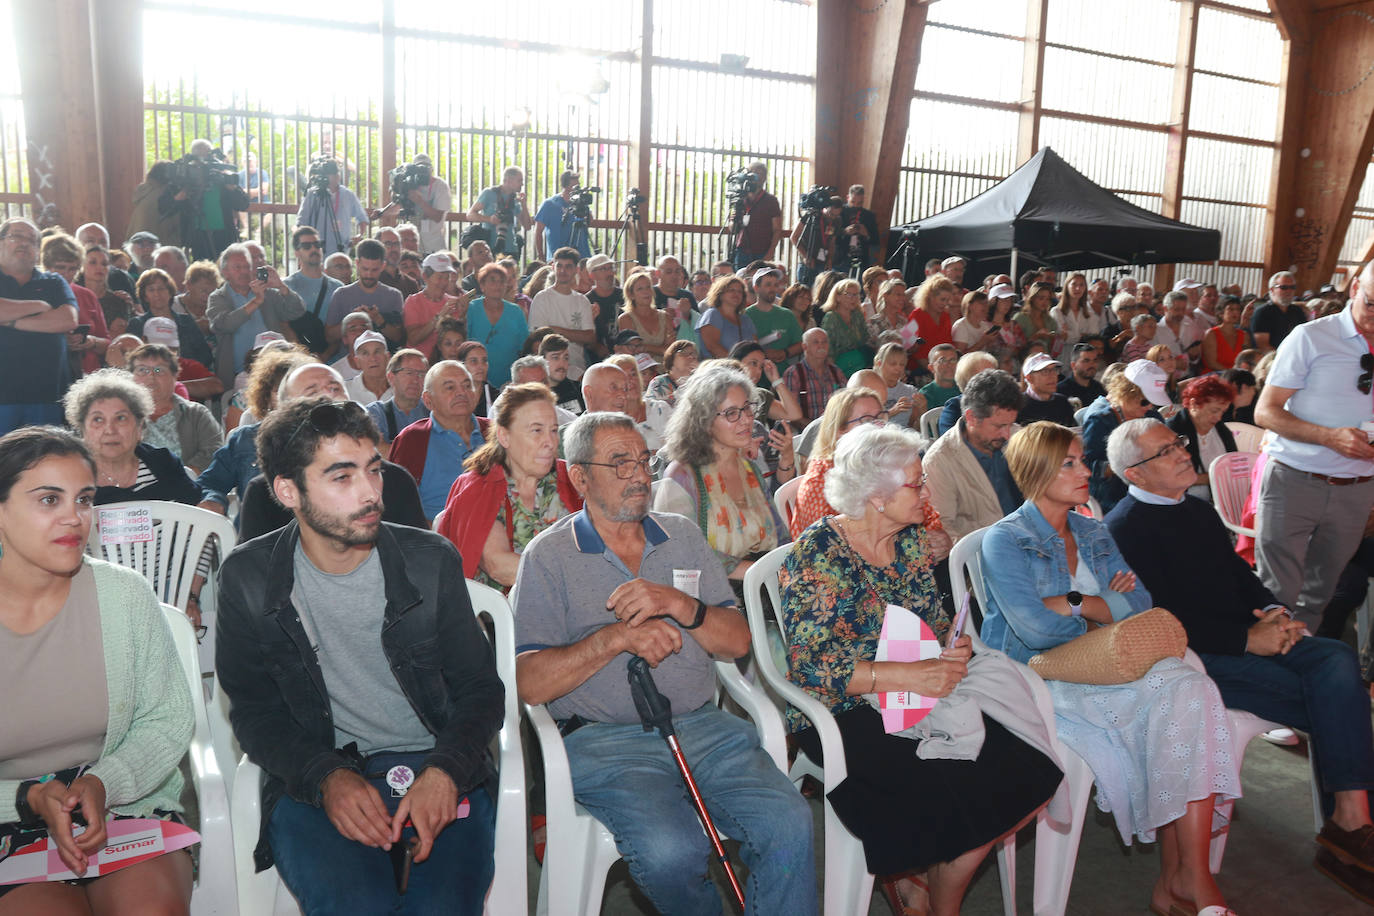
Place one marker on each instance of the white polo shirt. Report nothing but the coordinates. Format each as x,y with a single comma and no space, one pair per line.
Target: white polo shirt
1321,359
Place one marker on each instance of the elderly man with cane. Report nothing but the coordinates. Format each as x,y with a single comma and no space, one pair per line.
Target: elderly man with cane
615,583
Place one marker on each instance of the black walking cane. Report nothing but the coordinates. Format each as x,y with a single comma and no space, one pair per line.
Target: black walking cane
657,712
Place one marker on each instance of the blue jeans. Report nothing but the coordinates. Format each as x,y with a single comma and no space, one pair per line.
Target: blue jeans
1315,687
744,258
626,777
17,416
331,874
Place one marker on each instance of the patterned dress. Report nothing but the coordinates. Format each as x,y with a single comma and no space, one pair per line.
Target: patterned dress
548,508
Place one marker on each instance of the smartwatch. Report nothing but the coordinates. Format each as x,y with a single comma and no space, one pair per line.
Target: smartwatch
699,619
1075,603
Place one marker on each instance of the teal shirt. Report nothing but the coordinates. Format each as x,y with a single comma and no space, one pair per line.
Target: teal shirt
781,322
936,396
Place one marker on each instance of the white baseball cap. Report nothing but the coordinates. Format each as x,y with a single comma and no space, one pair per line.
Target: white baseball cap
265,338
1038,361
645,361
1151,380
161,331
597,261
368,337
1187,283
438,263
952,260
1001,291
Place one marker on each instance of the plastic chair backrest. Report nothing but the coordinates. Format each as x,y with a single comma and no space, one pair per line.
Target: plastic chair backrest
1078,416
785,499
168,561
1229,477
1248,437
930,423
967,559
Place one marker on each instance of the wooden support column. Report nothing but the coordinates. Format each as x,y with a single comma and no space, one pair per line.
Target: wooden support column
641,147
1326,138
1032,81
1179,109
118,25
388,125
61,114
866,59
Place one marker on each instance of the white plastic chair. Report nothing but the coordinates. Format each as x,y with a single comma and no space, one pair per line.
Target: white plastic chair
215,893
1229,477
848,883
785,499
1056,845
1078,416
264,893
1248,437
580,850
930,423
169,560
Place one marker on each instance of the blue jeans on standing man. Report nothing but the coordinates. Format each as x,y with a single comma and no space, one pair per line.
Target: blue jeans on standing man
1316,687
626,777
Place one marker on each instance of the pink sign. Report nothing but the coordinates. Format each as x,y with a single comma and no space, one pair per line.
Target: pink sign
130,841
905,638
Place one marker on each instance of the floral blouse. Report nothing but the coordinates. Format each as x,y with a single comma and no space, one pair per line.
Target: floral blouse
548,508
846,335
833,604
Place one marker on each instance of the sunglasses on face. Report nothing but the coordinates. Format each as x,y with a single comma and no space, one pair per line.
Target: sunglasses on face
306,246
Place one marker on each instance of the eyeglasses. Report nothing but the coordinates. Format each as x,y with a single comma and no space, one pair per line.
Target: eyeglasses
625,467
919,483
732,414
306,246
145,371
1286,286
326,419
878,418
1173,448
1367,376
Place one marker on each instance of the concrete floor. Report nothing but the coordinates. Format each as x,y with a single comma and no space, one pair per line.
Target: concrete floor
1267,869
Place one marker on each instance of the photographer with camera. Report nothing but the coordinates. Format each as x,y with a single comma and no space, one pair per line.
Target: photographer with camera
153,212
497,211
854,253
331,208
204,187
420,196
252,300
554,221
816,232
757,218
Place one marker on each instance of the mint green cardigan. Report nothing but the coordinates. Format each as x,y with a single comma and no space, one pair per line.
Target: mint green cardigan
150,716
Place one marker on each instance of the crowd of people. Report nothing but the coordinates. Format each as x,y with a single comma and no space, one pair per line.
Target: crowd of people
393,417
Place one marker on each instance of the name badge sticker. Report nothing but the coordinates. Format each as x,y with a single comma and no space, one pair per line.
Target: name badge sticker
399,778
688,581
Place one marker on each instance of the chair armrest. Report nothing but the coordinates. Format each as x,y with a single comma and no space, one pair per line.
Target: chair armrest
558,791
767,721
832,748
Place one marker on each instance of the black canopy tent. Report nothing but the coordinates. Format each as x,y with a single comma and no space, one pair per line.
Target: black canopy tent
1048,214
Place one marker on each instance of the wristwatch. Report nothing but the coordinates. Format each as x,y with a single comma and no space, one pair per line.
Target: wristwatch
27,816
1075,603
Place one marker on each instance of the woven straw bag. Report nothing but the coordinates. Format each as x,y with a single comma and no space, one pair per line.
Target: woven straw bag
1118,653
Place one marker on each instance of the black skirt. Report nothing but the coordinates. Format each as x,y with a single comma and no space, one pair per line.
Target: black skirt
912,813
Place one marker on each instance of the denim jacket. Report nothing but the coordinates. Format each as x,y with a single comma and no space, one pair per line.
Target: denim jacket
280,710
1025,561
234,464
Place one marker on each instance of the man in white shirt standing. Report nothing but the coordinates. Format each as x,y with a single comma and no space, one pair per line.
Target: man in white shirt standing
566,310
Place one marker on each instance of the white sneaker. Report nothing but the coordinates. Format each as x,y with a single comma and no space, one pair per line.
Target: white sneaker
1283,737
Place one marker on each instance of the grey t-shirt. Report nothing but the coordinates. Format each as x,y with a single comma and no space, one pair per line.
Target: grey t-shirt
342,616
566,575
353,297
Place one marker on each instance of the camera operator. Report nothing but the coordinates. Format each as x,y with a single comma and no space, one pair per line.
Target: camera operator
331,208
152,213
858,235
427,198
497,211
758,220
553,224
815,235
205,188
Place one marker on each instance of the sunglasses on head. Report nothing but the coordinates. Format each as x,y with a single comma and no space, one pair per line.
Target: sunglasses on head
326,419
1366,379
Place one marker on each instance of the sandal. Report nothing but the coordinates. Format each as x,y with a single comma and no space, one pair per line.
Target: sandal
894,897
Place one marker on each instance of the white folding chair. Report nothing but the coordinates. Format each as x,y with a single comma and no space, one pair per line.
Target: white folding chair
264,893
785,499
1056,845
1229,477
214,893
580,850
1248,438
930,423
169,559
1078,416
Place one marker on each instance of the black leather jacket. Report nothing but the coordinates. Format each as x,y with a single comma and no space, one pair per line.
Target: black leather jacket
280,709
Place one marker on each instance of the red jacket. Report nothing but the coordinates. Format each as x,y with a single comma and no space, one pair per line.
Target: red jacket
473,502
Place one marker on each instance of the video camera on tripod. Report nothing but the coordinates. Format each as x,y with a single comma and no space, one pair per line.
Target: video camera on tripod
741,183
193,174
410,176
504,240
322,168
816,199
580,204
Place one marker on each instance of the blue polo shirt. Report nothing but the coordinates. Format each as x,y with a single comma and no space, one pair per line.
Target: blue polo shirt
34,362
1321,359
443,463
